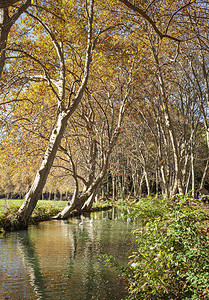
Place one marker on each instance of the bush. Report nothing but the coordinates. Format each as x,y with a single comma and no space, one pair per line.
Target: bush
43,212
171,260
7,216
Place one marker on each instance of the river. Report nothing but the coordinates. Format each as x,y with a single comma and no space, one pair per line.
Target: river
63,259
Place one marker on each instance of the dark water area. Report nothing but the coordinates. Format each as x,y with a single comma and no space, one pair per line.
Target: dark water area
63,259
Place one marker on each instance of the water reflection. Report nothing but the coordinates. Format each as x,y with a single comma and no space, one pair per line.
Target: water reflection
63,259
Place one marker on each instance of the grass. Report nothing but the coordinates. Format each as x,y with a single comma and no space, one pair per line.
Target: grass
44,210
6,203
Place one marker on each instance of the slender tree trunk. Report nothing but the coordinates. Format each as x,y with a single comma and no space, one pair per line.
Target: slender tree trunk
134,182
165,183
113,188
156,182
168,122
188,181
192,172
4,31
147,183
108,186
204,175
103,192
141,184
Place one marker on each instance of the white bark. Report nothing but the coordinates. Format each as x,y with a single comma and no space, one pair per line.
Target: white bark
33,194
35,191
204,175
169,124
94,181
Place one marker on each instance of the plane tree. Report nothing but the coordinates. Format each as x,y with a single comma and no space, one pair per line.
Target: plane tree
96,129
29,67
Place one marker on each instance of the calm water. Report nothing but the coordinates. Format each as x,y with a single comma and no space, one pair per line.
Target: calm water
63,259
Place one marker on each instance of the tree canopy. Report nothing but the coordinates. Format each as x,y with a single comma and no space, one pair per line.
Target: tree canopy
103,96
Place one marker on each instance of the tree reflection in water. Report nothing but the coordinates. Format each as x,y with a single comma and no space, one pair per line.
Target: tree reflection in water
62,260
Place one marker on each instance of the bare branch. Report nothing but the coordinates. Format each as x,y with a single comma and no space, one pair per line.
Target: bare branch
46,77
178,10
144,14
16,100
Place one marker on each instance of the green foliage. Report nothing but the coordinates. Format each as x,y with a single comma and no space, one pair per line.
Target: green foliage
7,215
111,261
144,210
171,260
102,204
44,212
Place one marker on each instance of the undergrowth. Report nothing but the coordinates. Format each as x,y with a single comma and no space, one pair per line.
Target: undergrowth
171,259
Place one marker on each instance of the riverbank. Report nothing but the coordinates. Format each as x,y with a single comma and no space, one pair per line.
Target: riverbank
44,211
171,258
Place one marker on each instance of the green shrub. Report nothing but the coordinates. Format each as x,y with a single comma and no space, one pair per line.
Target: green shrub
7,216
171,260
44,212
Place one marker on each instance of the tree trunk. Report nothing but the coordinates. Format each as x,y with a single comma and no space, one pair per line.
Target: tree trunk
168,122
140,185
4,31
204,175
78,202
156,182
35,191
193,172
63,114
165,183
113,188
188,181
88,204
147,183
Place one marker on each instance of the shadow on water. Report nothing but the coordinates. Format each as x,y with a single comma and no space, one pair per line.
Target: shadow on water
63,259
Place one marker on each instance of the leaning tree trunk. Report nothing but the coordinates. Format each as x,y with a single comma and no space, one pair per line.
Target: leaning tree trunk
64,114
35,191
78,202
204,175
89,202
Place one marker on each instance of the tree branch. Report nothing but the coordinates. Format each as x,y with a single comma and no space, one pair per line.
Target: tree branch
144,14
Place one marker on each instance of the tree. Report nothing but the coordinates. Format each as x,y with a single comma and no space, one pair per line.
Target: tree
168,93
64,112
100,122
10,11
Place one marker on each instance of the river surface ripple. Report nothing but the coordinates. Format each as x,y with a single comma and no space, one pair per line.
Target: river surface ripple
63,259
